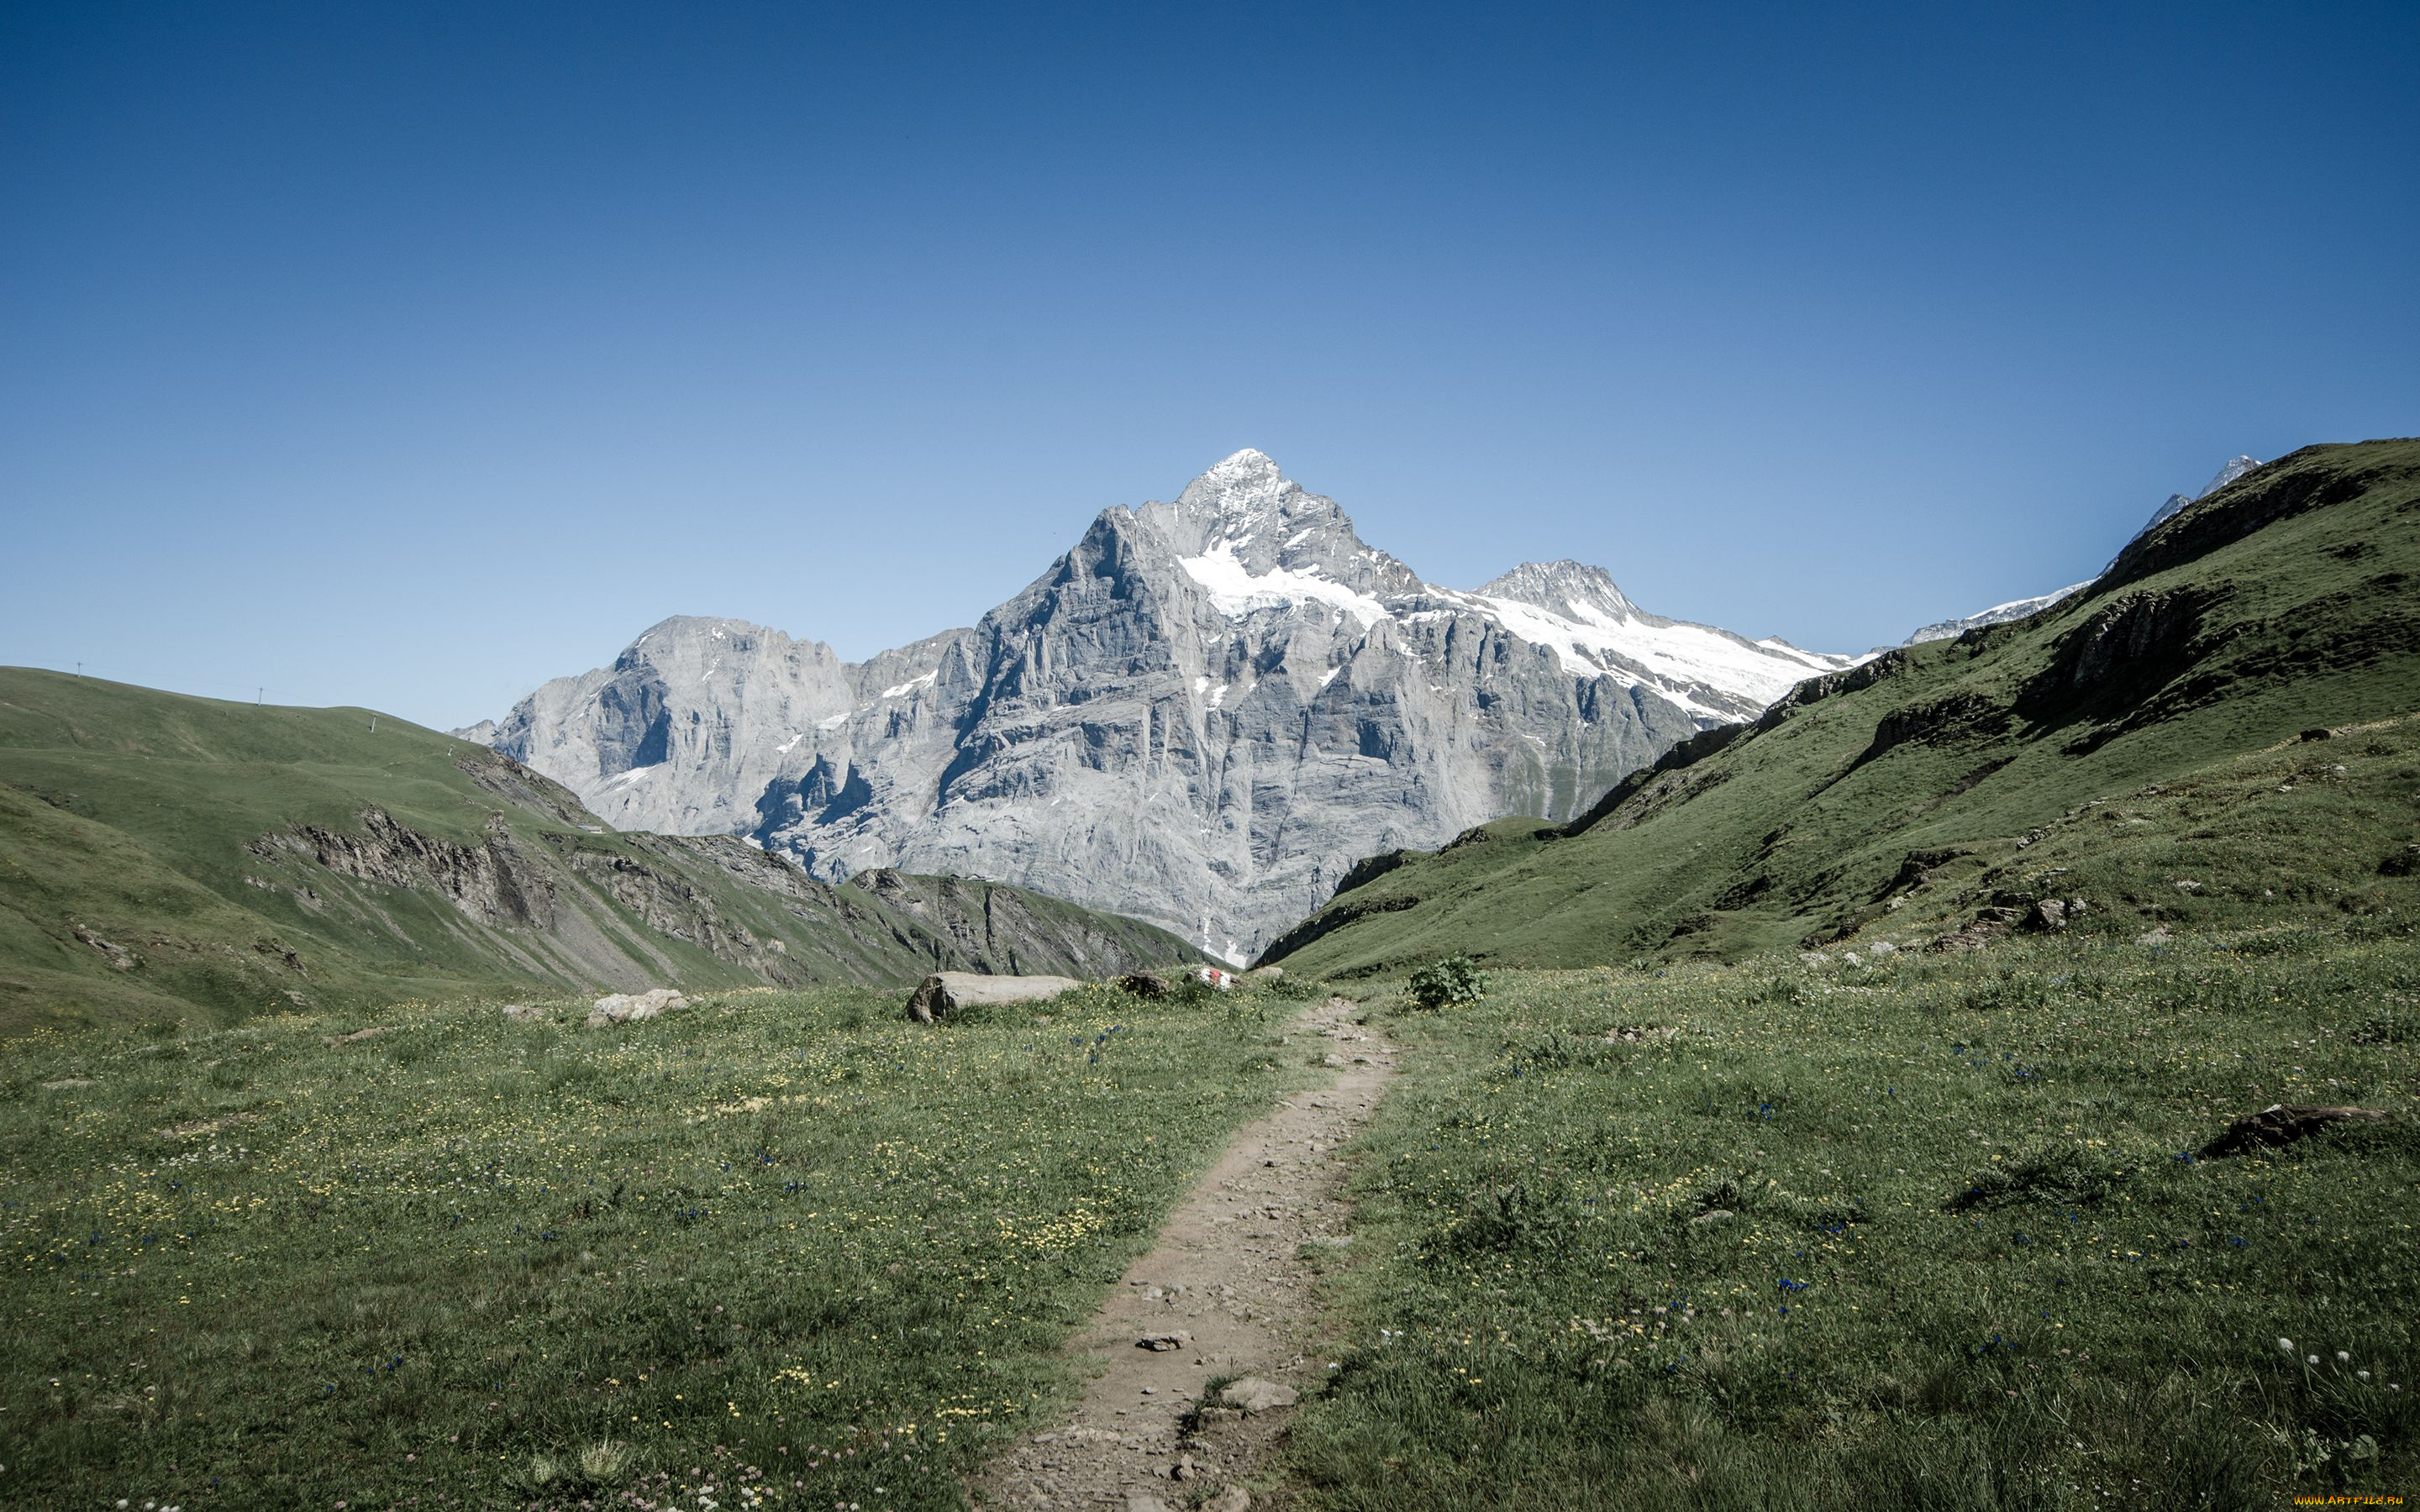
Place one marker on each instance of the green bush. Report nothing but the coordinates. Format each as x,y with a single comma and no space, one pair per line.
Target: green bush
1447,983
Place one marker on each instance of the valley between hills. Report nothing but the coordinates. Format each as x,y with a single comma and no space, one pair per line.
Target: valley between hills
1671,1091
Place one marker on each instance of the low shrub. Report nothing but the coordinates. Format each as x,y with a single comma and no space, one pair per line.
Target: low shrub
1447,983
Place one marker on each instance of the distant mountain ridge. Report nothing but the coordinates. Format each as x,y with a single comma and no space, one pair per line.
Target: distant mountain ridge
1204,713
2019,607
2236,467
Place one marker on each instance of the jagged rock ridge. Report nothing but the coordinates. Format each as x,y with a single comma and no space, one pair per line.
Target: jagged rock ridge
1202,715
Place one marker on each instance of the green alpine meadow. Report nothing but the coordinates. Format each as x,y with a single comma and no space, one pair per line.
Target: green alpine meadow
1205,758
1983,1081
777,1249
1927,1231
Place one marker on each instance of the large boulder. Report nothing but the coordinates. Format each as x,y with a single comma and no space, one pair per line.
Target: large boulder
624,1008
944,993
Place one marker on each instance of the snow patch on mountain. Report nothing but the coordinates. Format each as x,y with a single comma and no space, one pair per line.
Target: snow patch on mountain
1583,616
1693,665
1238,590
2015,608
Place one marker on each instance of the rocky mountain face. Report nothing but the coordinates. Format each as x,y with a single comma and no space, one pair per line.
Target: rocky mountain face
1202,715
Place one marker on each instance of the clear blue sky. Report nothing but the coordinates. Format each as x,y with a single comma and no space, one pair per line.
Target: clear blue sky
409,355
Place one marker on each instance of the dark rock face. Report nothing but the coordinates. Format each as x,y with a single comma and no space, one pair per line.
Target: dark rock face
1204,714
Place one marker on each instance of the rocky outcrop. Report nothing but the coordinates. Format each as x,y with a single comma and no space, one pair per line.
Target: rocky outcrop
999,928
1205,714
491,882
672,906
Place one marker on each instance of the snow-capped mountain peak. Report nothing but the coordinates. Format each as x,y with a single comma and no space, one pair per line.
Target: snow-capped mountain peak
1255,537
2228,473
2015,608
2018,608
1245,485
2176,501
1572,588
1217,705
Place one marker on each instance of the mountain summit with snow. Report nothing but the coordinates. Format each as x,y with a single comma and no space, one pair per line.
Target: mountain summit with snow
1204,713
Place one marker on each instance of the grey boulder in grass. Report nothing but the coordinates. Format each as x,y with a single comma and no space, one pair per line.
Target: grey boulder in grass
944,993
624,1008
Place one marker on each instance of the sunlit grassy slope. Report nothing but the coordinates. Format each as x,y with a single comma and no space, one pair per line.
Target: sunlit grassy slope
780,1248
167,856
1905,797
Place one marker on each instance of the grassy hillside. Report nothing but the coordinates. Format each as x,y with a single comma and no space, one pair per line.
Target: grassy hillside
162,857
2140,748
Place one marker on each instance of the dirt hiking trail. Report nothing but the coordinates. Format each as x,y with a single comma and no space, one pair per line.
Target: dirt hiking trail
1224,1292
